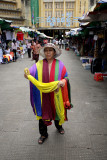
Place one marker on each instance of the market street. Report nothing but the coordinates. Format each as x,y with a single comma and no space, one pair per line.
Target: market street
85,135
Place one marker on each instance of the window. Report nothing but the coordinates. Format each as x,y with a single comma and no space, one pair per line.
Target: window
45,13
58,5
80,7
62,13
68,5
50,13
55,5
72,4
50,5
61,5
46,6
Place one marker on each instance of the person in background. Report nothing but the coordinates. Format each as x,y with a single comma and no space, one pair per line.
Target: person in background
36,51
29,48
21,50
7,53
60,43
14,49
33,48
1,51
7,50
57,42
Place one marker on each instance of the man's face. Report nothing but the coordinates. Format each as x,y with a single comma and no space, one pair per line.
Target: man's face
49,53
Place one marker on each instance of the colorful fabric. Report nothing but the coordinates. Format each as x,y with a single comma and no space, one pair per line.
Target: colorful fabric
6,56
46,103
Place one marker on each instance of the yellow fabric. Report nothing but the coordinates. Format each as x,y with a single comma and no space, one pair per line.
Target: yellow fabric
59,106
44,87
21,48
39,65
47,88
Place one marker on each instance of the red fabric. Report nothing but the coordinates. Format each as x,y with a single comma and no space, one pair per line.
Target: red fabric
45,41
52,78
67,104
20,36
12,54
47,111
63,72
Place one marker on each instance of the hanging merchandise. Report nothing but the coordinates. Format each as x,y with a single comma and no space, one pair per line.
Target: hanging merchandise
13,36
8,35
95,37
20,36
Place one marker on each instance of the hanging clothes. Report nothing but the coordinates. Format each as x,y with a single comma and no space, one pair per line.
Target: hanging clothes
20,36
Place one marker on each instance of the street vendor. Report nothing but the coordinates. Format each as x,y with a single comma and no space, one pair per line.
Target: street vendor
49,90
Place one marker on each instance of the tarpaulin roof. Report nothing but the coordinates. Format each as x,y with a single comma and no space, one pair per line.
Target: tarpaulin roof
84,24
98,14
101,5
45,36
2,21
102,1
25,29
5,24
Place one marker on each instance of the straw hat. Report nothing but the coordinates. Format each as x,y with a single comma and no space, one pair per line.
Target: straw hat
51,45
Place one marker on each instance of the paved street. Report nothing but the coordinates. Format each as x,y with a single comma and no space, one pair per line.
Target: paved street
85,135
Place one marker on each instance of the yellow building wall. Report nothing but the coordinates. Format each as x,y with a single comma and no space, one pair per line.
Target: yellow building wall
18,3
26,12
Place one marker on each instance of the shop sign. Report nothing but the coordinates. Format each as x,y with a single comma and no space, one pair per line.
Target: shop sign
53,20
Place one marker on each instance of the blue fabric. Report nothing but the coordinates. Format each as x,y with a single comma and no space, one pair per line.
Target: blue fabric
66,75
37,98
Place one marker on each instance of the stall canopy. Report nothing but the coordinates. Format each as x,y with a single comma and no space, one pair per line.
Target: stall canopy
5,24
98,14
102,1
25,29
42,35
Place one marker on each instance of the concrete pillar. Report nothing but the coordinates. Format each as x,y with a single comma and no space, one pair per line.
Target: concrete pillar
53,8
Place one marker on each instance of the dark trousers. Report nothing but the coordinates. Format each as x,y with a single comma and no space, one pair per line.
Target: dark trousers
43,127
14,57
29,53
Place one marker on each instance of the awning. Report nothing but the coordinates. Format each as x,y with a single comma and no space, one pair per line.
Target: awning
102,1
5,24
84,24
98,14
25,29
42,35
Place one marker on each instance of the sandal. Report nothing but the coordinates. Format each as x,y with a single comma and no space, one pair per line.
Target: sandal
42,139
61,131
